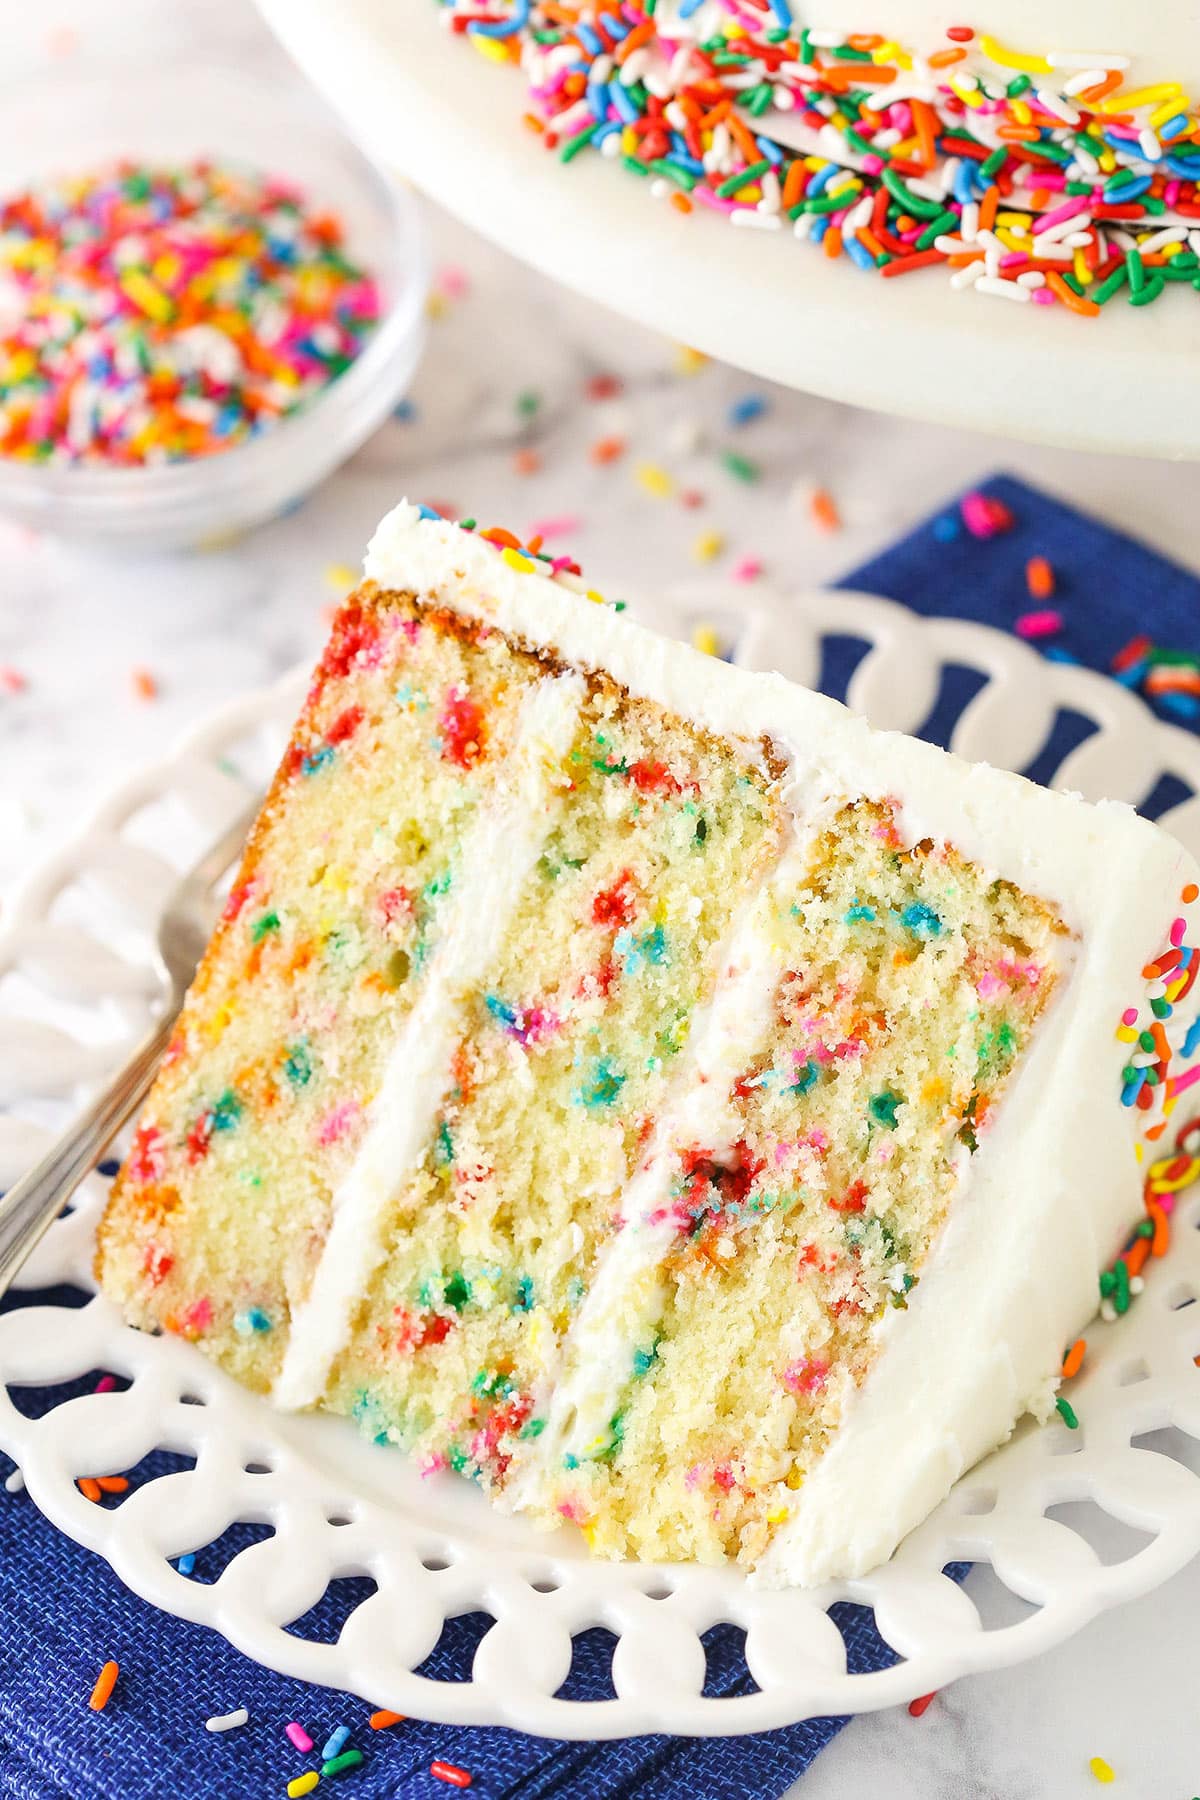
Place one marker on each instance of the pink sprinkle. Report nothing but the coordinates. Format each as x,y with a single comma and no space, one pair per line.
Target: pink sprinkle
198,1316
299,1737
11,680
1129,1016
990,987
1058,214
336,1124
453,282
1045,297
807,1376
561,525
873,165
1038,624
106,1384
1178,932
747,568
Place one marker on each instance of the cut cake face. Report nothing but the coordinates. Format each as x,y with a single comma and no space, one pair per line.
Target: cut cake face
635,1084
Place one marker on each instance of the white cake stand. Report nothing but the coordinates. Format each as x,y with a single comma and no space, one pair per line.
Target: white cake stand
432,109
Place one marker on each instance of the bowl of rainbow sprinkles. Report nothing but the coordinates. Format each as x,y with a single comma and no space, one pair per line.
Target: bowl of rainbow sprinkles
208,300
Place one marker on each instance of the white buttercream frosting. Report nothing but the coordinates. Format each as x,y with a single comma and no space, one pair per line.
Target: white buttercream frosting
1056,1180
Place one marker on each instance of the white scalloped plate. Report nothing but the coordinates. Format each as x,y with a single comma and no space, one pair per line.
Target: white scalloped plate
429,107
1070,1523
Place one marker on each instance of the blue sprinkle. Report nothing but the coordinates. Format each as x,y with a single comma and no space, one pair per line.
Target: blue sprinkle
947,528
500,1010
806,1079
1132,676
334,1742
748,408
689,7
1132,1089
1128,190
406,412
616,28
591,40
605,1085
1184,706
108,1168
317,759
964,183
859,254
1056,654
622,103
820,228
427,512
771,151
821,180
187,1562
515,22
783,13
253,1320
857,911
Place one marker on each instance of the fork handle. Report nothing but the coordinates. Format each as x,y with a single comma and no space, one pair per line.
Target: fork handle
31,1206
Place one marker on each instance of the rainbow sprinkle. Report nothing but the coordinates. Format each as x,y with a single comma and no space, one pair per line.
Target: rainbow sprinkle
1025,177
163,313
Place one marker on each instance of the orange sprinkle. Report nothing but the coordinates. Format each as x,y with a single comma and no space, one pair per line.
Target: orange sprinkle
1087,309
1191,892
825,513
144,684
925,120
606,450
681,203
379,1721
106,1681
944,59
793,184
89,1488
1102,89
987,214
1135,1257
1161,1241
1039,576
744,140
533,122
641,34
867,237
112,1484
1019,134
1073,1360
527,462
831,243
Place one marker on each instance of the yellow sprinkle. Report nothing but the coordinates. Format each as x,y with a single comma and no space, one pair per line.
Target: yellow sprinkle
707,546
689,361
1022,113
137,286
1127,1034
494,48
1168,110
1101,1770
655,480
1162,90
515,560
778,1515
1108,161
436,305
1138,1151
303,1784
795,1478
1083,274
1013,59
970,96
883,53
629,141
595,598
340,577
705,638
589,1533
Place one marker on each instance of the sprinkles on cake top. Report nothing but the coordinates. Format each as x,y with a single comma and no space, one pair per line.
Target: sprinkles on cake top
633,1084
1028,175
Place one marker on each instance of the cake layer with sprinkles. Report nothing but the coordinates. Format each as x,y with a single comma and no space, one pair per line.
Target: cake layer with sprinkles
635,1085
1026,167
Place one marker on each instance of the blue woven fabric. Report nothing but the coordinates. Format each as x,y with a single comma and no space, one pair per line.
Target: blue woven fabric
64,1613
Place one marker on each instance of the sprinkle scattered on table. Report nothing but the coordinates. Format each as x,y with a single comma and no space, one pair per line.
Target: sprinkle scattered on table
297,1735
381,1720
341,1764
921,1704
444,1771
302,1784
106,1681
145,684
335,1742
1101,1770
168,312
227,1721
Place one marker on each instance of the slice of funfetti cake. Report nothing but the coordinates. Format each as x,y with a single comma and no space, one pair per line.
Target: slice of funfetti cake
635,1084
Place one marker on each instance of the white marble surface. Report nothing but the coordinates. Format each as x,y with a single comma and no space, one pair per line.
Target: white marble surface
205,625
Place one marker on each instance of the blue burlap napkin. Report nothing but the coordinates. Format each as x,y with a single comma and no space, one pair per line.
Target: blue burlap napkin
64,1614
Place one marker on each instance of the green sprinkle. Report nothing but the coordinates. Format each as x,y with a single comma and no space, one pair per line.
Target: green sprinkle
268,922
1121,1294
528,403
740,467
992,165
731,186
1067,1413
572,148
337,1765
915,204
882,1108
944,222
458,1291
1136,271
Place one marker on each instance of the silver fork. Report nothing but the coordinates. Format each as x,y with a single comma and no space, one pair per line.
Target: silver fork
29,1208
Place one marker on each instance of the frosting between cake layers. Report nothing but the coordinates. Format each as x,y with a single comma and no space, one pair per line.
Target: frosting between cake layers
501,849
1012,1277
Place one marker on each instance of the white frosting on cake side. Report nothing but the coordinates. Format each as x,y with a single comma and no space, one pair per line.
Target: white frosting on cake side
1056,1180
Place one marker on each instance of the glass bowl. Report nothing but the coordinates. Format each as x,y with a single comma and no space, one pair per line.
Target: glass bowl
175,111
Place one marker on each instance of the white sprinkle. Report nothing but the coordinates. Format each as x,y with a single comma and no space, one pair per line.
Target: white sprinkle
1031,278
749,215
968,276
1149,145
1054,103
1003,290
782,98
1163,238
1085,79
1108,1311
1137,1283
970,222
1054,234
949,246
1078,240
1095,63
15,1483
227,1721
827,40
